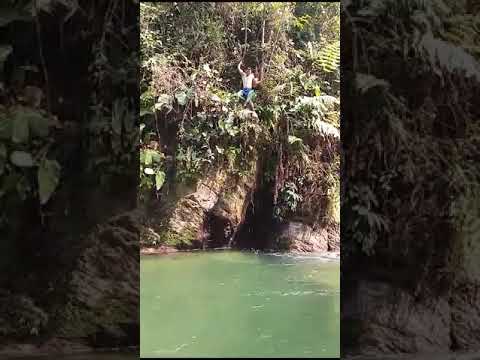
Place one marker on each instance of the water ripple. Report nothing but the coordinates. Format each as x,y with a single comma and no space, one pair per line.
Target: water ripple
293,293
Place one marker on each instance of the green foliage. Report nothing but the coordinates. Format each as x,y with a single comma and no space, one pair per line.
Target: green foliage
21,159
216,139
410,154
189,79
173,239
147,103
289,199
328,58
25,143
314,113
152,172
316,22
112,128
48,179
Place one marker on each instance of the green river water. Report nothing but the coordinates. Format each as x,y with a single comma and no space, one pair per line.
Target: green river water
239,304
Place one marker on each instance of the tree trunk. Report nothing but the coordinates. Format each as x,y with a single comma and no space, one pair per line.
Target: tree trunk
245,41
263,48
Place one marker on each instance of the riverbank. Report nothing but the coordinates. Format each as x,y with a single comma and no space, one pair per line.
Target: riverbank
166,250
162,250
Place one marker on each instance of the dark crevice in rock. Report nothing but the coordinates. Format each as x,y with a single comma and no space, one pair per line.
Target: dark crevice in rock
219,229
256,228
454,346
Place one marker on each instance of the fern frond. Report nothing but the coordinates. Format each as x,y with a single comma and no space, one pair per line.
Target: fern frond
328,58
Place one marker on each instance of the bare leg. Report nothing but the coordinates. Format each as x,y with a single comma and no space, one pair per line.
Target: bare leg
249,101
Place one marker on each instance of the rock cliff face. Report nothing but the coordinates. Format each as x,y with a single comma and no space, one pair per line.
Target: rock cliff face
99,301
208,214
465,295
381,317
218,211
102,305
227,209
300,237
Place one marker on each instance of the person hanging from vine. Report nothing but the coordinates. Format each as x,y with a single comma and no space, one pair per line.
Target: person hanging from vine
249,81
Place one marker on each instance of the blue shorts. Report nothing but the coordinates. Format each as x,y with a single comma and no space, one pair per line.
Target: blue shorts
246,91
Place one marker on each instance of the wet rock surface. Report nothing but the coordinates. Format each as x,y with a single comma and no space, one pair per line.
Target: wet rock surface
297,236
206,215
103,297
380,317
301,237
100,305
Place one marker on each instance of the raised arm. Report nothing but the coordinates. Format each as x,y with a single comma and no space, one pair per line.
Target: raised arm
240,69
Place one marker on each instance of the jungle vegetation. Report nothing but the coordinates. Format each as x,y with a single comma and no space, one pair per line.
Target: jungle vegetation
189,77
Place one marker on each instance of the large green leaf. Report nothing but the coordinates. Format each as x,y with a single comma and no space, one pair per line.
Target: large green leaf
144,112
48,179
164,100
149,171
156,156
5,50
181,98
21,128
38,124
5,128
159,179
21,159
148,157
26,121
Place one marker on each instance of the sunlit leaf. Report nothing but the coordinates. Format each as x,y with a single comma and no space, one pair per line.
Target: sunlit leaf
163,100
148,158
181,98
48,179
156,156
366,81
5,51
21,159
293,139
159,179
